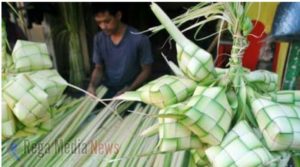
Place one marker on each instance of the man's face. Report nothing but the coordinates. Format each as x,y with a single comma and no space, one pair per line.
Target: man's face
108,23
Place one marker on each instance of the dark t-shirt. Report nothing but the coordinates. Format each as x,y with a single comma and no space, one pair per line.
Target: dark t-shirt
122,62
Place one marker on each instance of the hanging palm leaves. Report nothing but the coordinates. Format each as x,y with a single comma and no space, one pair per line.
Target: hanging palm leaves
68,33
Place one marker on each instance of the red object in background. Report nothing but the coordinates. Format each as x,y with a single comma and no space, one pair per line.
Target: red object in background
251,56
256,38
223,54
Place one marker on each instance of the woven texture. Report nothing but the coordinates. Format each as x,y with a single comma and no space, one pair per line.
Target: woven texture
287,97
209,115
263,81
174,136
240,148
199,157
280,124
30,56
51,82
196,63
167,90
28,101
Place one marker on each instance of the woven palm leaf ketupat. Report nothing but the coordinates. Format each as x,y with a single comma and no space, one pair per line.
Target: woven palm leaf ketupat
162,92
174,136
241,148
30,56
262,80
51,82
287,97
280,124
195,62
28,101
209,115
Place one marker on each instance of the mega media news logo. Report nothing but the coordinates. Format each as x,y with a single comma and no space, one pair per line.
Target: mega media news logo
59,146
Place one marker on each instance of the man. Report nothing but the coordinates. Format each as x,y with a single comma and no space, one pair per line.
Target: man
122,59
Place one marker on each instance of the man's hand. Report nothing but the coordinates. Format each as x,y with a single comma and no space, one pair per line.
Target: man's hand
96,78
126,88
91,89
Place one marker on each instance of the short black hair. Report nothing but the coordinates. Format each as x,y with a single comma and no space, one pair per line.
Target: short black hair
110,7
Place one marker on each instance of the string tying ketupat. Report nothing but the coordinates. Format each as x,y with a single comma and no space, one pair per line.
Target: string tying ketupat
28,101
30,56
162,92
240,148
280,124
8,121
51,82
262,80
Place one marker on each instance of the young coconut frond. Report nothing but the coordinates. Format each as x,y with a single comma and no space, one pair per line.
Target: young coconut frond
162,92
30,56
280,124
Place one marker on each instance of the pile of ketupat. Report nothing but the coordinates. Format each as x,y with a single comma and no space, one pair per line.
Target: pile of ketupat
224,117
30,88
34,109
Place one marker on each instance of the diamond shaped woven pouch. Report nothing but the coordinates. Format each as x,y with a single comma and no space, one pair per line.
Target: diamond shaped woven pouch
196,63
51,82
30,56
174,136
28,101
241,148
209,114
166,90
280,124
287,97
262,80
